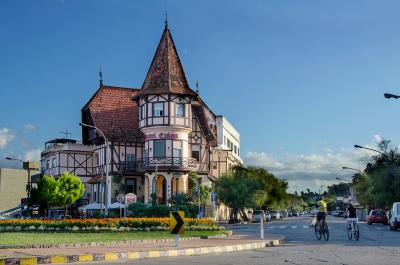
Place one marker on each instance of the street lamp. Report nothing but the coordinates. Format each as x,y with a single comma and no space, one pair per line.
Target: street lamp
355,169
26,166
108,182
388,95
343,179
367,148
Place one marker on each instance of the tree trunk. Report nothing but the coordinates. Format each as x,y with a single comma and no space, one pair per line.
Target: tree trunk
234,216
244,215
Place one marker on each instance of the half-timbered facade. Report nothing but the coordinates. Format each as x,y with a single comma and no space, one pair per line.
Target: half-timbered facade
157,135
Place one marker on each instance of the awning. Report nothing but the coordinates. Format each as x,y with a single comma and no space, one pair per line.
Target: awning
117,205
92,206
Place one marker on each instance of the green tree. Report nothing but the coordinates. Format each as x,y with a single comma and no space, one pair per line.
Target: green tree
180,199
45,194
70,189
204,195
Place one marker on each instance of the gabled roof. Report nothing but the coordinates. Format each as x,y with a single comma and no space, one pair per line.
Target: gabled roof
166,73
113,111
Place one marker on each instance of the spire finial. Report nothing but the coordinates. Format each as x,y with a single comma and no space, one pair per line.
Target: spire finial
166,20
101,77
197,86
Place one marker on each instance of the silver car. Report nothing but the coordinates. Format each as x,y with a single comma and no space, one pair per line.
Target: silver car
257,216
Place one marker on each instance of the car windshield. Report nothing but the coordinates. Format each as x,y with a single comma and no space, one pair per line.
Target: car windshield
257,212
378,212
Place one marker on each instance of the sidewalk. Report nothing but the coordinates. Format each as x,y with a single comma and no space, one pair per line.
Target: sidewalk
124,251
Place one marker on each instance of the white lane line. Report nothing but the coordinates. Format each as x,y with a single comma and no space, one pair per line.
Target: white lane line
294,226
380,228
283,226
306,226
271,226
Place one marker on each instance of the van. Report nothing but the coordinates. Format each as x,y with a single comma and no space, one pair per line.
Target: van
394,216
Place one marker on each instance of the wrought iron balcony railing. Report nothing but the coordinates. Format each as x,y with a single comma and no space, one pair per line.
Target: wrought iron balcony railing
183,163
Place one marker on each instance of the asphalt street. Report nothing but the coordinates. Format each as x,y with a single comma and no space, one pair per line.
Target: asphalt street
377,245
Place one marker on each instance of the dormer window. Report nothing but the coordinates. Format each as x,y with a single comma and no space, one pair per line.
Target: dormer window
158,109
180,110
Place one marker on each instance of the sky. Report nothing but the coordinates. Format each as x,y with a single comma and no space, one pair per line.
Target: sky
302,81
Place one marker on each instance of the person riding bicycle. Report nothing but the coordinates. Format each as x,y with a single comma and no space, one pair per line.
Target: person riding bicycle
351,214
322,209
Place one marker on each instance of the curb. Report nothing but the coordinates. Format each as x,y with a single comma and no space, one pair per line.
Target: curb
113,243
135,255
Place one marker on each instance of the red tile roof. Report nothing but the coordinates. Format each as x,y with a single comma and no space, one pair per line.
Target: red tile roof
114,112
166,73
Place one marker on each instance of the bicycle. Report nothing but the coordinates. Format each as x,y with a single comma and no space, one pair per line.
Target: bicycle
321,230
353,229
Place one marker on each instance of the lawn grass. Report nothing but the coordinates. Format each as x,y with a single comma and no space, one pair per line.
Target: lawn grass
50,238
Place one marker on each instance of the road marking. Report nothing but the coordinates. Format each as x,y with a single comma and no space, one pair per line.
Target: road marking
283,226
272,226
380,228
295,241
294,226
306,226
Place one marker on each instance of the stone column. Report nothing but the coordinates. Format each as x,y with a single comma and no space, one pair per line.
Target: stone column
149,186
146,188
184,183
168,179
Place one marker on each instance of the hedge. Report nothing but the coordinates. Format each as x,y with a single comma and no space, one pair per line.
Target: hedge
104,224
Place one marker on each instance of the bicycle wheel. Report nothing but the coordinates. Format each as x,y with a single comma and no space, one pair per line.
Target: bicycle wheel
356,231
325,231
317,230
349,232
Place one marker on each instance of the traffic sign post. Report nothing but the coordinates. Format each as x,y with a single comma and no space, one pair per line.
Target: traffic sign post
176,225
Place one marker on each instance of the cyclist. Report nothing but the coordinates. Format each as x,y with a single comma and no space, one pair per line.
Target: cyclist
351,214
322,209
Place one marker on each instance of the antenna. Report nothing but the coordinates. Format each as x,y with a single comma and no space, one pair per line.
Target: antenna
66,133
197,86
101,77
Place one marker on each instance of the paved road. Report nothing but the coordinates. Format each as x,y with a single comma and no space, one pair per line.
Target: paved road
377,245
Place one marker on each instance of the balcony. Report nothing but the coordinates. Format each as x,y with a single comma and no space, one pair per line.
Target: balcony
184,164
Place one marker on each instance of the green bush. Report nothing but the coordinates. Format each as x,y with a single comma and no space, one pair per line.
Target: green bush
144,210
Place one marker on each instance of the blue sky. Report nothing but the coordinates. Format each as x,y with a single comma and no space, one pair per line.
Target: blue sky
302,81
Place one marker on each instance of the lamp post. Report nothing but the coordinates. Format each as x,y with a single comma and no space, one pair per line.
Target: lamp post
107,202
355,169
367,148
26,166
388,95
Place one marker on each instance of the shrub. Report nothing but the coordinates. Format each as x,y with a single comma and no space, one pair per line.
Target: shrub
137,209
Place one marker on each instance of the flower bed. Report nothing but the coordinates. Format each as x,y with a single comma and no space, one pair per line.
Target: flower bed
104,224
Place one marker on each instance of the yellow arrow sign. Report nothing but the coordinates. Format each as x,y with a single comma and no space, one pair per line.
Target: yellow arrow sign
176,222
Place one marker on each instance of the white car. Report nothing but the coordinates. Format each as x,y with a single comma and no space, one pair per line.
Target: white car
394,216
276,215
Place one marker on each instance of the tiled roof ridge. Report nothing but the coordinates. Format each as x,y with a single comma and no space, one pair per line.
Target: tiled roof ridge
120,87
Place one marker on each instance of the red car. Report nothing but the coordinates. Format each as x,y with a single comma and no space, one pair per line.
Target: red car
377,216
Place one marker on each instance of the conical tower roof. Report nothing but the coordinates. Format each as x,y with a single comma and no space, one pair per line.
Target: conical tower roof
166,75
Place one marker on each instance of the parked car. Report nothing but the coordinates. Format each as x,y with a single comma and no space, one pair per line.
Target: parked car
290,214
284,214
276,215
377,216
257,216
394,216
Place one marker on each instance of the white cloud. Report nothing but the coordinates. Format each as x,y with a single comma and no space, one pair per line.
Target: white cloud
6,136
29,127
377,138
32,155
304,171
